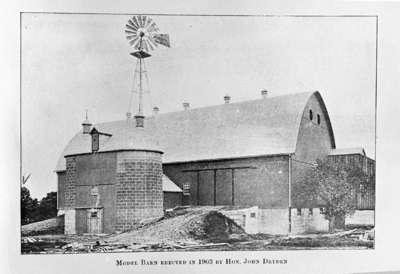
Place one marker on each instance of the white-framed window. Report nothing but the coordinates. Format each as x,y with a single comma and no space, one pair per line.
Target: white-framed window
186,188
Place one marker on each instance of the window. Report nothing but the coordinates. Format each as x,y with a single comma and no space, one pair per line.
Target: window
318,119
252,215
321,210
311,114
95,142
93,214
310,211
186,188
299,212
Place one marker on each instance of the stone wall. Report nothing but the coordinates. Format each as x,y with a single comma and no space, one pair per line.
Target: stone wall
361,217
273,221
139,192
70,182
309,220
69,221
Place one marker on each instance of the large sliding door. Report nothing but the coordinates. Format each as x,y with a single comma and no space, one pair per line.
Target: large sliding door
224,187
206,187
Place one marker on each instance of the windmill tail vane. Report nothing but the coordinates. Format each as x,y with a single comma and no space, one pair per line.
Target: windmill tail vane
142,34
162,39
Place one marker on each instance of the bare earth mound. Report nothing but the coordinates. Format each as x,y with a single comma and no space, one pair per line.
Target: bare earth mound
199,224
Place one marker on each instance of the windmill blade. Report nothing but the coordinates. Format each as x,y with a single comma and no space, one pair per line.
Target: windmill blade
133,24
130,27
144,19
136,21
145,47
148,22
140,19
133,42
130,37
162,39
153,27
137,44
149,45
130,23
130,32
153,43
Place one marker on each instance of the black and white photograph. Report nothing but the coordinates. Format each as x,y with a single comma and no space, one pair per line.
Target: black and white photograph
199,136
192,133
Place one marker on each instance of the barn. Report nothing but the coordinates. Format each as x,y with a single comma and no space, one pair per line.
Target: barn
246,154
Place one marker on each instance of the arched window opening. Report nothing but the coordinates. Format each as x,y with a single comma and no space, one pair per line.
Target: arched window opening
318,119
311,115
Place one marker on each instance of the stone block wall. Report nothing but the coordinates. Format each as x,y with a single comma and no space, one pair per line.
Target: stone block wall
69,221
139,192
310,220
247,218
361,217
273,221
70,182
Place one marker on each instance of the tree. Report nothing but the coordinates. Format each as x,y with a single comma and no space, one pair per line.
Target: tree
34,211
334,186
29,207
48,206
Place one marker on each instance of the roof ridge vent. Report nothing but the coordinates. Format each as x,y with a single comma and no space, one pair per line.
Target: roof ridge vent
227,99
186,105
264,93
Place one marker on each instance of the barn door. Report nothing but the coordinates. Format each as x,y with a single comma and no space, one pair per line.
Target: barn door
95,221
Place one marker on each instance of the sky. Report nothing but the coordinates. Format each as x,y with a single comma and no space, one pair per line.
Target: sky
74,62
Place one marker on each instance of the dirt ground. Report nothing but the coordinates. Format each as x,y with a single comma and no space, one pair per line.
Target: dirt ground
193,229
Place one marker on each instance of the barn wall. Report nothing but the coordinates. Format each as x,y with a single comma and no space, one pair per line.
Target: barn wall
97,171
314,141
61,177
107,201
259,181
172,199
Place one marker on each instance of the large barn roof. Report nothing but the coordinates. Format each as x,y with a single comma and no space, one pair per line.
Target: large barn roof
265,126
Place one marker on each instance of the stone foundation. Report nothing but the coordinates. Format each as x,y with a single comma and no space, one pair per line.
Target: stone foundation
69,221
308,221
361,217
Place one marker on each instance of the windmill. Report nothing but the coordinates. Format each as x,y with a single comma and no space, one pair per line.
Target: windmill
142,34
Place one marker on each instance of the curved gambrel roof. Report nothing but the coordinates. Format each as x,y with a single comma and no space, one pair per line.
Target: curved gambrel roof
326,115
245,129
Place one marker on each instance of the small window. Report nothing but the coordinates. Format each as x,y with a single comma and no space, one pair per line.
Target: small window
252,215
95,142
318,119
93,214
186,188
321,210
311,114
299,212
310,211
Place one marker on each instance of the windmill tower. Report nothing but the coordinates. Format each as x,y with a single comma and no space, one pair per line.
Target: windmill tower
142,34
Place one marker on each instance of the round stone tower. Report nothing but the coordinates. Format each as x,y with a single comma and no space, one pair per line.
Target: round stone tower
139,193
